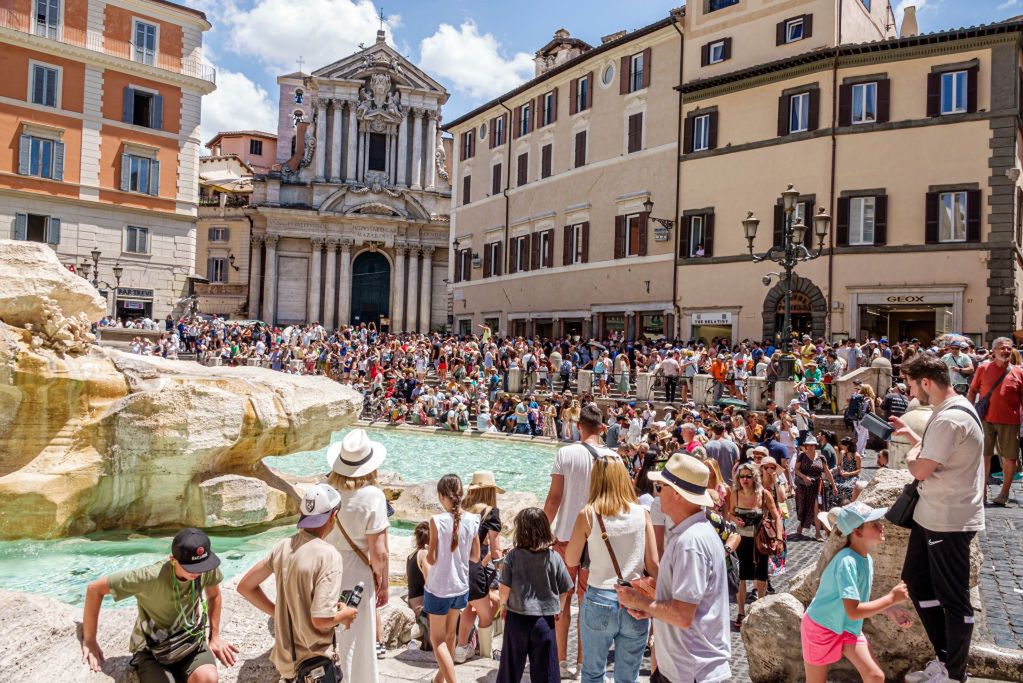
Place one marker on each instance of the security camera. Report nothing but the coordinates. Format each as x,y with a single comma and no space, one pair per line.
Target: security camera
766,280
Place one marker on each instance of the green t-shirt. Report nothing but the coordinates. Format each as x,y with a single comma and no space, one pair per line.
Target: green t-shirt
848,576
166,604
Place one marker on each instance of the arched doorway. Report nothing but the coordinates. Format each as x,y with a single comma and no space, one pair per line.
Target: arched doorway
809,309
371,288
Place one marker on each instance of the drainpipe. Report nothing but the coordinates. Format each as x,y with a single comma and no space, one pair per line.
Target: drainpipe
829,329
678,193
506,248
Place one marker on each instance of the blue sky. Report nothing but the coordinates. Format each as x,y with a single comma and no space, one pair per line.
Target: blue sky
476,48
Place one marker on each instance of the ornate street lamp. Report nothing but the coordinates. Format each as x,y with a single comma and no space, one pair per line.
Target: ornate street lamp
85,268
787,255
666,223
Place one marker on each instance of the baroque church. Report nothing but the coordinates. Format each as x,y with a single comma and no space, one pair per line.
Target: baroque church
351,225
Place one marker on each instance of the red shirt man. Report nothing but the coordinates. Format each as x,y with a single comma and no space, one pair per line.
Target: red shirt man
1002,420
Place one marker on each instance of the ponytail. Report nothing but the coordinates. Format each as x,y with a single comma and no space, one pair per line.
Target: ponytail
450,487
456,513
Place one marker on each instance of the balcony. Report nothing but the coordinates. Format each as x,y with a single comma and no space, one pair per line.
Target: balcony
96,42
220,289
230,201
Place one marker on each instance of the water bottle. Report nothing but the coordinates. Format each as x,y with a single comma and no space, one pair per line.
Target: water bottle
355,597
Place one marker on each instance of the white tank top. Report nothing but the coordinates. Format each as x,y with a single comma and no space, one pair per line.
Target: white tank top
627,534
449,577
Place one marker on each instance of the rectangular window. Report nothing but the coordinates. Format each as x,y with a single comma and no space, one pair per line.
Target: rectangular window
635,142
582,93
953,92
799,113
256,147
144,47
636,73
864,103
546,248
701,133
952,217
41,158
697,235
522,253
45,81
524,127
523,170
633,226
466,190
861,220
866,3
794,30
549,103
30,227
136,240
377,152
140,174
463,265
468,148
715,5
578,244
580,149
142,108
492,259
218,234
47,17
218,270
545,161
498,131
496,179
716,52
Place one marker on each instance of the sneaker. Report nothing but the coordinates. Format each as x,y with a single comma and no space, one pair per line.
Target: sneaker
934,671
462,653
381,651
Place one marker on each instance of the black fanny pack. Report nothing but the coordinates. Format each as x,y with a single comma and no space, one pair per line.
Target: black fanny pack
184,643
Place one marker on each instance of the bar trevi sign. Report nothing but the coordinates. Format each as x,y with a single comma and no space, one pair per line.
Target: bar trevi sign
712,318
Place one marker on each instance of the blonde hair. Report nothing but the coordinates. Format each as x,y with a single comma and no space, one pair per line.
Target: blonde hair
611,489
867,391
477,499
343,483
715,469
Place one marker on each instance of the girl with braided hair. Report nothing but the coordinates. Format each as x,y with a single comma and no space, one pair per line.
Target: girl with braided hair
454,543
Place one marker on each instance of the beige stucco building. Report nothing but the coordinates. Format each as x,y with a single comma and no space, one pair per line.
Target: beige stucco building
910,143
548,225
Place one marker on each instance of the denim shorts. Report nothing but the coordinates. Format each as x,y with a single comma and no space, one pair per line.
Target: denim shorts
441,606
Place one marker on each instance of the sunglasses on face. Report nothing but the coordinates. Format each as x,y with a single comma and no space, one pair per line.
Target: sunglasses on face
745,476
657,487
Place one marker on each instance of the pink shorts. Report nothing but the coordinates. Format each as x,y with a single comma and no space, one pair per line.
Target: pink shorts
822,646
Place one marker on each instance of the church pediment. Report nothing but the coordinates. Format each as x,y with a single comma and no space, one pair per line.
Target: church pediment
378,58
374,201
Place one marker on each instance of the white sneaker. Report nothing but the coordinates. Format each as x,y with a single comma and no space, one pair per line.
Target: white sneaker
462,653
934,671
566,671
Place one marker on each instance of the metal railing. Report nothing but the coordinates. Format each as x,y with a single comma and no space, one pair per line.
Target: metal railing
97,42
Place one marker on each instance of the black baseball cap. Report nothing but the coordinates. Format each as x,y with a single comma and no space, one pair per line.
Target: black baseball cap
191,549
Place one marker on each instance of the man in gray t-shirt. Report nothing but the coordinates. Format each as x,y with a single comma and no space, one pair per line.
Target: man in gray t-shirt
722,450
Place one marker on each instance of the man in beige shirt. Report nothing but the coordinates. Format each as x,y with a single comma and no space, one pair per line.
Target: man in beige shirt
303,565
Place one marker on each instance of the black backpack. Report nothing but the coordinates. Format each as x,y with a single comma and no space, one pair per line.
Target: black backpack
855,410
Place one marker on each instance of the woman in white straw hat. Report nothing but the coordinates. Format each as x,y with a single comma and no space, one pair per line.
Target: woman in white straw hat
360,535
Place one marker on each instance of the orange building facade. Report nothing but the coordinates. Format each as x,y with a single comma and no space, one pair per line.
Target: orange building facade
99,139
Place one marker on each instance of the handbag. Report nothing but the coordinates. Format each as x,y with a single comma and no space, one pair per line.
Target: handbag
982,405
645,585
184,643
765,541
318,669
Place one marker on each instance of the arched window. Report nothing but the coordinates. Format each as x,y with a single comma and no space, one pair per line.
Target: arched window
296,117
299,96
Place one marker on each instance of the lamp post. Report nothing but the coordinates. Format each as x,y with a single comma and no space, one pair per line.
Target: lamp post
666,223
85,268
787,255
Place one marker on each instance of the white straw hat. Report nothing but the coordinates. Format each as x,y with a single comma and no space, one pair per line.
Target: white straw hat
688,476
356,455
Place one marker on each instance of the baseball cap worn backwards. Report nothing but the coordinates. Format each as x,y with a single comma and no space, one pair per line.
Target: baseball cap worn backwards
317,504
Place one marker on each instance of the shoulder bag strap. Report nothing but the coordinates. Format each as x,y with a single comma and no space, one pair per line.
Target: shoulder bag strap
357,549
592,451
995,385
607,542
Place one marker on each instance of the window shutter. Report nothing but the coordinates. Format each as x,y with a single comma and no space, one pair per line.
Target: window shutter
808,220
931,224
512,255
644,220
815,109
687,136
619,236
728,49
573,95
973,209
548,257
708,235
58,161
684,237
884,100
842,222
845,94
635,142
589,90
623,75
523,168
487,262
209,269
498,252
972,76
128,111
467,266
534,112
25,154
209,234
466,189
934,95
496,180
780,33
807,25
779,226
783,115
647,66
21,226
554,105
154,178
38,85
534,257
493,131
566,251
705,55
712,133
506,118
881,220
580,149
156,112
53,230
518,122
545,161
125,173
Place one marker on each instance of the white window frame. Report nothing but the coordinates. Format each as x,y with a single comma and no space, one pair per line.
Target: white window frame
221,277
523,253
491,248
607,75
790,29
701,133
548,108
954,78
138,54
32,64
218,234
149,171
716,52
49,30
636,67
545,238
864,94
48,174
630,248
581,90
499,131
858,210
577,243
803,117
697,233
958,198
525,112
138,230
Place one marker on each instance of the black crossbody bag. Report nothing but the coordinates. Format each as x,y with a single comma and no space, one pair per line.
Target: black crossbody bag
184,642
901,511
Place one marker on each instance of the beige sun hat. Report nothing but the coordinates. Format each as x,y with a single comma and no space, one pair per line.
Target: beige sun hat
688,476
484,479
356,455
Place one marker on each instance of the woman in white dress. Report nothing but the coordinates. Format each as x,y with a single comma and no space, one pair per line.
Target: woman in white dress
360,535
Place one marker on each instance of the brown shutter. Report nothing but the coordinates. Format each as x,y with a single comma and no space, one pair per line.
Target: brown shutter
931,223
566,247
548,258
815,110
705,55
545,161
635,142
498,260
845,94
580,149
496,180
881,220
712,133
687,138
728,49
842,222
589,90
647,66
586,242
972,76
487,264
780,33
513,246
619,236
538,118
973,209
573,95
623,75
807,25
523,170
493,132
808,220
934,95
779,226
518,122
884,100
644,219
534,259
783,115
506,126
458,265
466,189
554,105
684,237
708,235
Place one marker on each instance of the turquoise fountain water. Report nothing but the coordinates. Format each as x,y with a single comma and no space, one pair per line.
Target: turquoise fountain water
61,568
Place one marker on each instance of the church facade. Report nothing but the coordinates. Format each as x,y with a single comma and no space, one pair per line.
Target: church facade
351,225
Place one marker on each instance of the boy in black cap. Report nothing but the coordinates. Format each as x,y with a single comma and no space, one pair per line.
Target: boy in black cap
170,632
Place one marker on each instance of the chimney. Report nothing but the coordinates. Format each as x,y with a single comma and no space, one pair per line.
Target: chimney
381,36
613,36
909,25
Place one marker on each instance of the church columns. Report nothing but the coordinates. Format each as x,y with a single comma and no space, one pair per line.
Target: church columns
425,298
402,177
431,150
255,274
335,140
329,297
312,312
345,303
398,309
353,137
413,290
321,139
270,284
417,148
363,155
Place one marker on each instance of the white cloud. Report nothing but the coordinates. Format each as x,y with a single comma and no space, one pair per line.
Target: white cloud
921,5
1009,4
237,104
277,32
473,62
